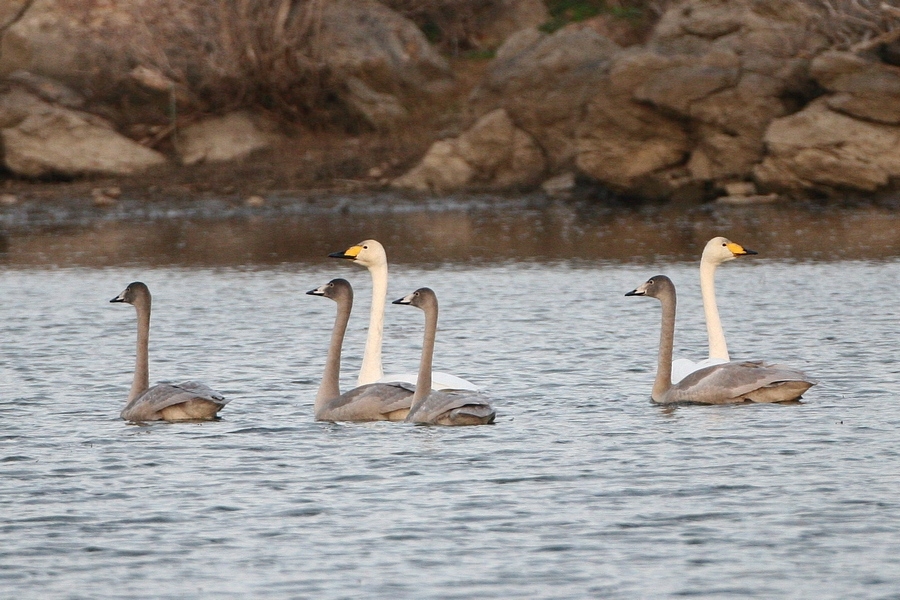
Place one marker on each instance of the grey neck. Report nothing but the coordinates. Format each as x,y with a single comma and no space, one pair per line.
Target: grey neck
663,381
142,360
330,387
423,382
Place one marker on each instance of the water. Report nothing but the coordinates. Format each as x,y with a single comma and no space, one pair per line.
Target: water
582,488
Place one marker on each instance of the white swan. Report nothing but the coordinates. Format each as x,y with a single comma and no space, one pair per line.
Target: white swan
187,401
724,383
370,402
371,254
717,251
441,407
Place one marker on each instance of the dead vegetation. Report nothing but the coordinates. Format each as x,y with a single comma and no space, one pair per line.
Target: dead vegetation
858,25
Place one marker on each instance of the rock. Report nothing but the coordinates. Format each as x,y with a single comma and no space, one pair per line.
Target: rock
8,199
629,145
498,20
622,31
561,185
383,49
106,196
39,42
740,188
860,88
442,169
818,148
255,201
494,153
229,137
47,89
381,111
40,140
542,82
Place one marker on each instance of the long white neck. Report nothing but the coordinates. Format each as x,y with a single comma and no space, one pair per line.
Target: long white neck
330,387
663,380
371,369
423,382
142,360
717,346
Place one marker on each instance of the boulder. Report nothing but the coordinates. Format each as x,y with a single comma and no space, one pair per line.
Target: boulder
229,137
380,47
39,40
493,154
381,111
629,145
859,87
542,82
821,149
41,140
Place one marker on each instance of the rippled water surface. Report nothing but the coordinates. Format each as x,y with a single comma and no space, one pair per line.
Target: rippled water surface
583,488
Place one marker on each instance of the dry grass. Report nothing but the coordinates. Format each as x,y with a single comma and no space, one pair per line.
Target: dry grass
213,55
858,24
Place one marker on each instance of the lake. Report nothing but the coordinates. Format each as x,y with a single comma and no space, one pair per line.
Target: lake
582,488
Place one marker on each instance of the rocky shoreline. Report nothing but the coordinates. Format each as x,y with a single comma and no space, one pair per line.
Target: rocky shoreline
746,101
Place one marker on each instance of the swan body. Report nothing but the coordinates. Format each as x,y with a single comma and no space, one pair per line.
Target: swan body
717,251
726,383
371,254
369,402
187,401
441,407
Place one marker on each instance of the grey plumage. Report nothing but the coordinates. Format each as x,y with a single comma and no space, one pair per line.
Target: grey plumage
188,400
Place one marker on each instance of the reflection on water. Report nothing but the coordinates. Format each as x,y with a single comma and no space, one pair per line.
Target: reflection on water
209,235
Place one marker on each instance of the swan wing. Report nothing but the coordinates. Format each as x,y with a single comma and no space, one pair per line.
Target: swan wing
740,381
441,406
370,402
148,405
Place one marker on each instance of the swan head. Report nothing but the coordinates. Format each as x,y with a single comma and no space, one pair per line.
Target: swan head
136,293
336,289
368,253
655,287
421,298
720,249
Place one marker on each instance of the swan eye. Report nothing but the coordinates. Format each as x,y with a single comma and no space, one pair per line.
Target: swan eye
365,247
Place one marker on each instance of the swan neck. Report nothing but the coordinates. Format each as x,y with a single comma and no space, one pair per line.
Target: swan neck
717,346
142,355
371,369
423,382
330,387
663,381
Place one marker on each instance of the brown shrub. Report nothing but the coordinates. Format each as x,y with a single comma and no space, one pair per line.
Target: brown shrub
214,55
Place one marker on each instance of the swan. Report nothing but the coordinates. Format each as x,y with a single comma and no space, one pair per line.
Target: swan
725,383
441,407
717,251
371,254
370,402
187,401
